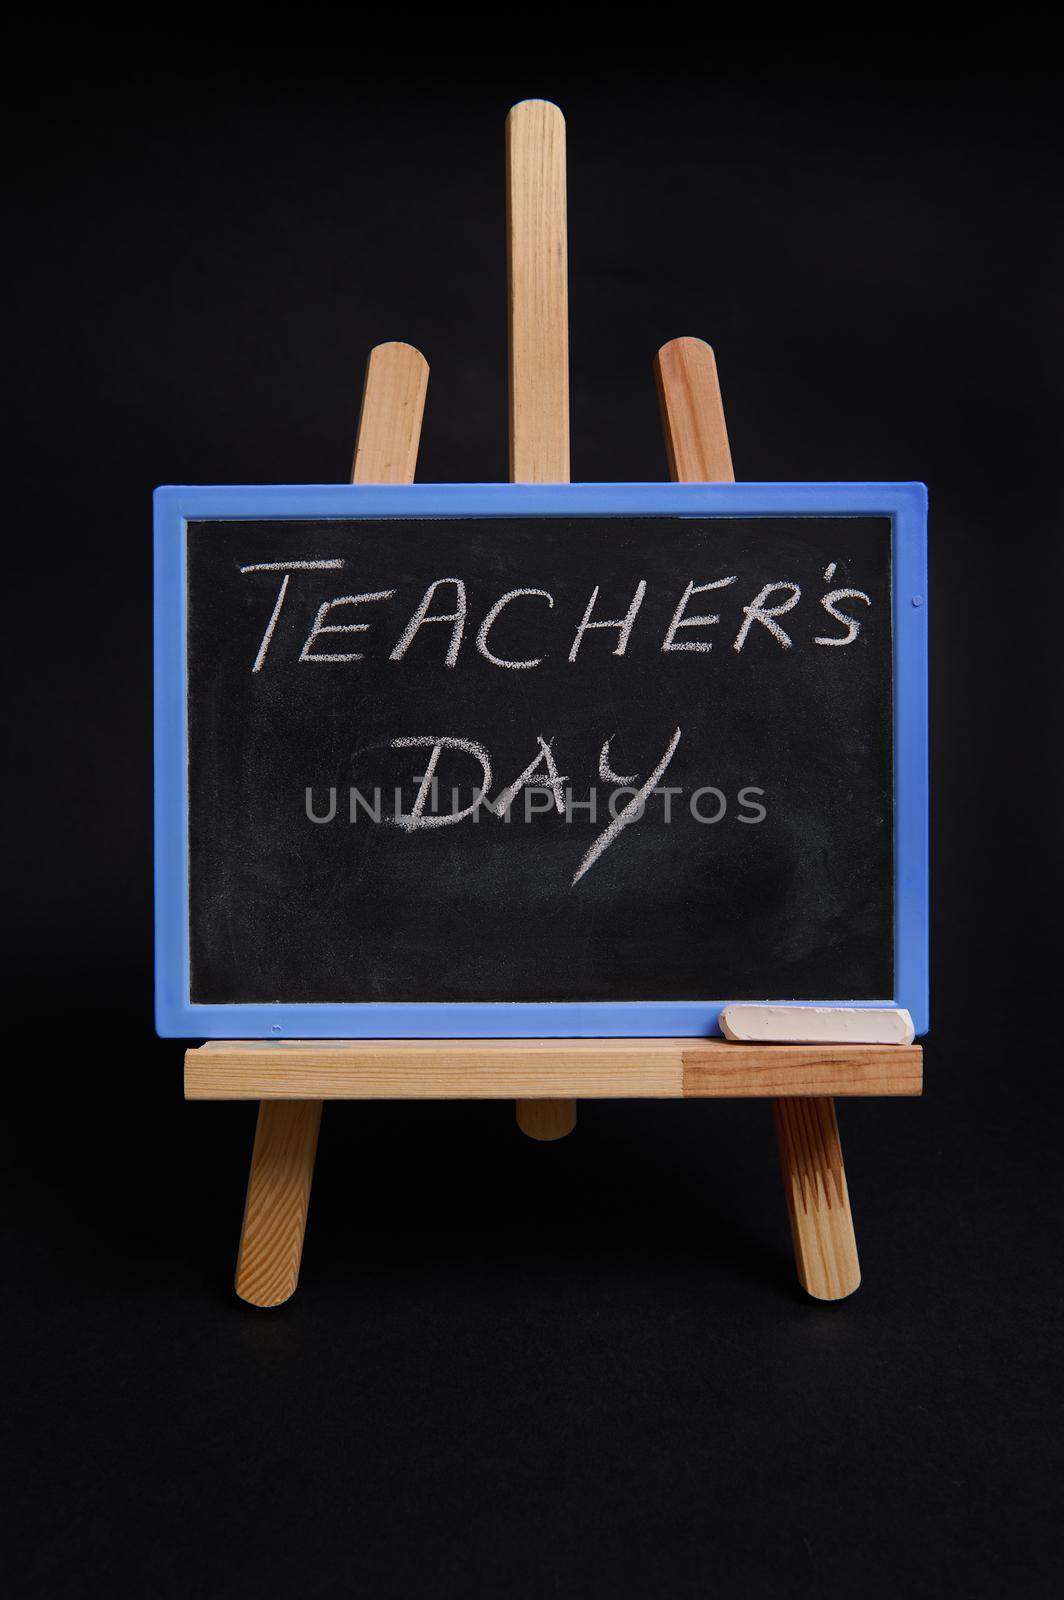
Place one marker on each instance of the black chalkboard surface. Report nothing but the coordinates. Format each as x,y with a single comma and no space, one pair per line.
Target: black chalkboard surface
334,665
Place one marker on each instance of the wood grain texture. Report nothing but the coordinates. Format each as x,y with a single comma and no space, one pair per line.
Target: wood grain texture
719,1070
275,1212
286,1139
692,413
543,1070
825,1250
537,282
537,273
818,1201
389,423
545,1119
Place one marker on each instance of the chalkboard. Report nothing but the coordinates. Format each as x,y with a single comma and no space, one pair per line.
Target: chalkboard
473,761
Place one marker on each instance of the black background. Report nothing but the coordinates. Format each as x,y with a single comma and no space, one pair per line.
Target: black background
798,905
578,1369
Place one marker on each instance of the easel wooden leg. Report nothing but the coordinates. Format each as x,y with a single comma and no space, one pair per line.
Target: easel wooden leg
275,1213
818,1202
282,1165
537,276
393,407
546,1119
825,1251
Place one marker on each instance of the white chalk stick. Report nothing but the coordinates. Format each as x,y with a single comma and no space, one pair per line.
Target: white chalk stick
816,1024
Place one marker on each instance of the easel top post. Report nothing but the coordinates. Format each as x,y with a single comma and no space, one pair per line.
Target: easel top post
537,274
537,277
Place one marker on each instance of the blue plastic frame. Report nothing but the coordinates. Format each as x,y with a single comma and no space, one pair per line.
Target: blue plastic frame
177,1017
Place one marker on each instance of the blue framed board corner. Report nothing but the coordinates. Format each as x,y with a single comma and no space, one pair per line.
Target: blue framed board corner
174,506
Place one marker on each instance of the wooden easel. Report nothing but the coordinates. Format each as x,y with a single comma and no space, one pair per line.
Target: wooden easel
544,1076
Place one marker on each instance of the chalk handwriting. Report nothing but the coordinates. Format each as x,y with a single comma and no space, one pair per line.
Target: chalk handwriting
486,625
623,624
757,611
631,813
421,617
852,625
606,772
772,601
287,567
680,621
549,779
320,625
417,817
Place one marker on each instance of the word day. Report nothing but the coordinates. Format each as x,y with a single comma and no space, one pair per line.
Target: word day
542,782
445,603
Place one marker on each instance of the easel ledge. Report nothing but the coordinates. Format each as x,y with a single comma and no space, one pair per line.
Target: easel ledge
538,1069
